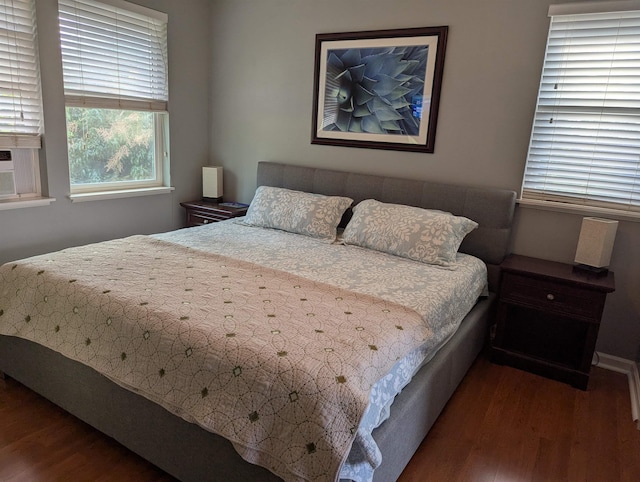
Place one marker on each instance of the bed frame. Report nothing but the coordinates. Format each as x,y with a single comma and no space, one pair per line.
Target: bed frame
191,453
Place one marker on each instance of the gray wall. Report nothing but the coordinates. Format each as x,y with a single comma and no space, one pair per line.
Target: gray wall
24,232
262,90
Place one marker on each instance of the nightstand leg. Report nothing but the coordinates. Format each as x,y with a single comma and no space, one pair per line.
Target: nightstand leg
580,381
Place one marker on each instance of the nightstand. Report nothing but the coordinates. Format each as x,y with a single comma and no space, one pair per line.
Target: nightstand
548,318
203,212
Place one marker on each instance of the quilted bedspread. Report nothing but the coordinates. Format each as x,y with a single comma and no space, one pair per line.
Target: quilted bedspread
282,365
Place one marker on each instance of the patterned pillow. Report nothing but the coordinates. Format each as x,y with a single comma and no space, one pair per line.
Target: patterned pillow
424,235
298,212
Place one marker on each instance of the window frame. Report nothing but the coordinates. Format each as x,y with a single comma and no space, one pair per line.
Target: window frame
87,95
21,133
161,158
570,201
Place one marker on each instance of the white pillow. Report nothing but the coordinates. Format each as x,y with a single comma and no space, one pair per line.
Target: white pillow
424,235
313,215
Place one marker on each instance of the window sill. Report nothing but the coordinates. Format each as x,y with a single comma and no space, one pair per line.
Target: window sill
25,202
99,196
581,210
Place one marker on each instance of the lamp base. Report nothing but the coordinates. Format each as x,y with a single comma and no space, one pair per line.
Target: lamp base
212,199
590,270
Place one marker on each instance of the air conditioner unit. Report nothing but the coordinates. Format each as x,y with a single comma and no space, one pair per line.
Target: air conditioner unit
7,178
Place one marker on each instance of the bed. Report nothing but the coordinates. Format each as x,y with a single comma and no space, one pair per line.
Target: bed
156,416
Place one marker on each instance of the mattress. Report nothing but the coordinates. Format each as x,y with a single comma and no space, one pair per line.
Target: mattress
366,279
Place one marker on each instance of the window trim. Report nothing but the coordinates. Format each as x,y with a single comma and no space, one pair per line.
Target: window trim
577,8
118,194
25,202
582,210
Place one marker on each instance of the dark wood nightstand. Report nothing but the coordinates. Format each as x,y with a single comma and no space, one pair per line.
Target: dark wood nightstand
203,212
548,318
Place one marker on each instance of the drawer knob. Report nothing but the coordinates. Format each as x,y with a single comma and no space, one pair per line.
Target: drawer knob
550,297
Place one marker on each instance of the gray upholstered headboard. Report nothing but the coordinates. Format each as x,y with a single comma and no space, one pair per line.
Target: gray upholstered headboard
492,209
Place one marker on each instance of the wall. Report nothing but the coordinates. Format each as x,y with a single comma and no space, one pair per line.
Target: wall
261,101
25,232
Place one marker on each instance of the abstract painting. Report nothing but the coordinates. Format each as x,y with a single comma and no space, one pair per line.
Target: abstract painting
378,89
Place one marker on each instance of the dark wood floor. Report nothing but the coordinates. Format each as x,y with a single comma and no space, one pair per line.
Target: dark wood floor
506,425
501,425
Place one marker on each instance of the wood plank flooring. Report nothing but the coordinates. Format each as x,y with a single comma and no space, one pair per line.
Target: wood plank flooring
504,424
501,425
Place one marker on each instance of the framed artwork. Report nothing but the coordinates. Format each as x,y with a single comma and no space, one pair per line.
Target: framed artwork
378,89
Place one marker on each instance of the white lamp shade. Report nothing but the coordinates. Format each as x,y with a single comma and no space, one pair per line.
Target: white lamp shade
212,182
596,240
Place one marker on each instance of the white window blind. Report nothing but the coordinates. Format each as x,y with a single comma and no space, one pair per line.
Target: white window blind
585,141
20,94
114,55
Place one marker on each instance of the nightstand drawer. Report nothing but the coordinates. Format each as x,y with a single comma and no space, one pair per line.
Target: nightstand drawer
197,218
551,296
203,212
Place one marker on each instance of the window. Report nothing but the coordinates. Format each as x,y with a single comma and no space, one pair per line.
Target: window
114,57
20,101
585,141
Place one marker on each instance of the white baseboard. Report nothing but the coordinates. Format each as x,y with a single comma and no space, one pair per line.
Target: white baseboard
629,368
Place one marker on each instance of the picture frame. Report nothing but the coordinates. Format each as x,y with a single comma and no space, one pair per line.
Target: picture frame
378,89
